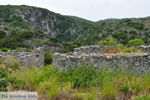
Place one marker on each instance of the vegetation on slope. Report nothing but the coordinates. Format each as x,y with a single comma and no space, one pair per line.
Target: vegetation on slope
110,20
122,30
69,28
81,20
20,38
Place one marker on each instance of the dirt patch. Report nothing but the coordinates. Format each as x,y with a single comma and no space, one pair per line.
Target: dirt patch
112,51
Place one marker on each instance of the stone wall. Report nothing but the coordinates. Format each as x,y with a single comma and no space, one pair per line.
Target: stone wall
139,63
35,58
56,48
92,49
145,48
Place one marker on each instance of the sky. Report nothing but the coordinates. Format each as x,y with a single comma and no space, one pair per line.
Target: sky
91,9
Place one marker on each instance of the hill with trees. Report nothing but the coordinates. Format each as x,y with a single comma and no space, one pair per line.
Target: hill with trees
27,26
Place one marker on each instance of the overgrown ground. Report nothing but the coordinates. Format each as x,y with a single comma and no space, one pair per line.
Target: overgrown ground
82,83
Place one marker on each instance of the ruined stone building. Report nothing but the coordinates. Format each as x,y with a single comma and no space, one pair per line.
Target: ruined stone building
34,58
95,56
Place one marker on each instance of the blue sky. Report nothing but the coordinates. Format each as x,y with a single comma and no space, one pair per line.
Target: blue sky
91,9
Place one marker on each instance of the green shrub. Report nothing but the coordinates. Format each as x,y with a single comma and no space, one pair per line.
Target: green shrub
64,25
48,58
109,41
16,23
4,49
125,49
26,34
135,42
18,38
122,37
83,76
17,18
11,42
65,51
69,46
138,26
3,80
16,84
53,40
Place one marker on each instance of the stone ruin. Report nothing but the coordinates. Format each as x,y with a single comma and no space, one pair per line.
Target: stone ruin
95,56
34,58
145,48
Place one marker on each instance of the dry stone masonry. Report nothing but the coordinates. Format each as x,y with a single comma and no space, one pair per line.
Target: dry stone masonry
145,48
93,55
35,58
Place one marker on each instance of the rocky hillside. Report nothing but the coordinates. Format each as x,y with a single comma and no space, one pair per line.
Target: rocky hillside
32,26
24,17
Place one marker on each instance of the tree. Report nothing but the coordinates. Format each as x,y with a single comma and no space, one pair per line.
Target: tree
109,41
120,36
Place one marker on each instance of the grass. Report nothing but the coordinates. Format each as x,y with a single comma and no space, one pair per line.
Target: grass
81,83
142,97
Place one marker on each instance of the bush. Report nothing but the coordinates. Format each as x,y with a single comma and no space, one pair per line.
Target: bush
18,38
16,84
26,34
11,42
16,23
109,41
48,58
63,26
4,49
125,49
135,42
83,76
121,37
3,80
69,46
138,26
